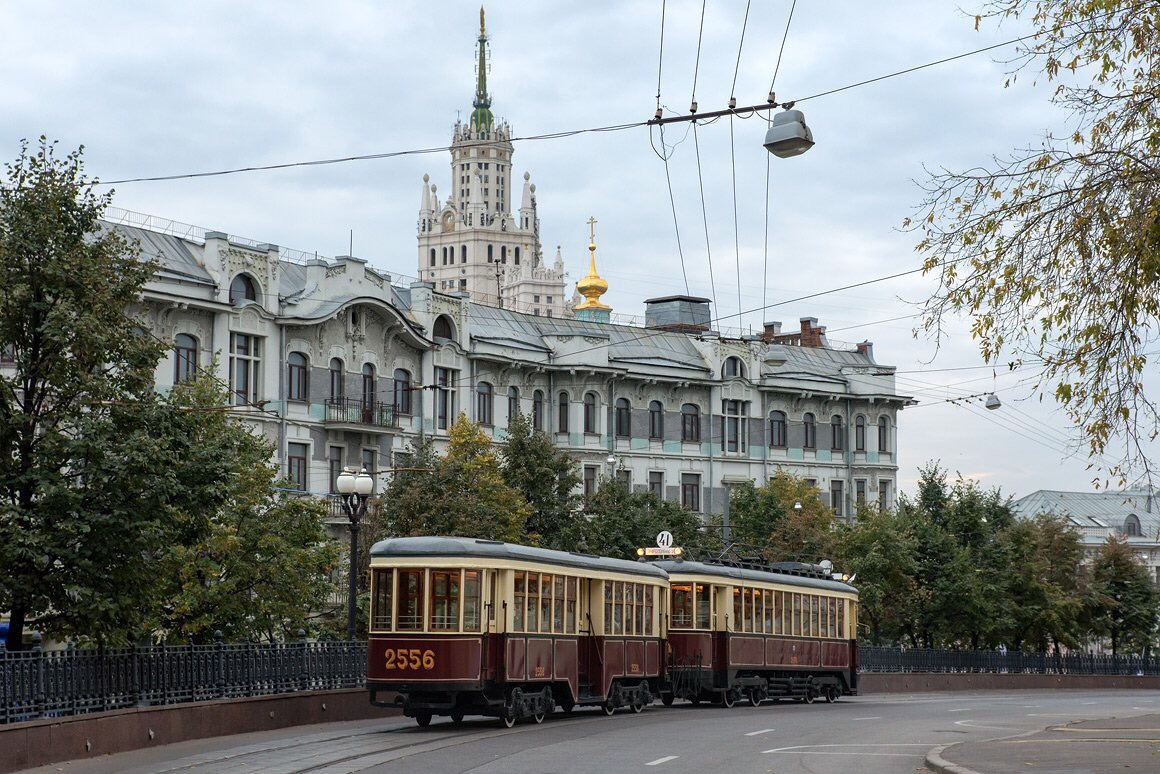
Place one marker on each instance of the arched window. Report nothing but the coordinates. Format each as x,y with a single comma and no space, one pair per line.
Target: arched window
590,412
432,256
562,413
811,432
442,328
369,386
517,256
538,410
489,253
444,253
297,377
337,381
732,368
185,358
513,403
503,253
883,434
402,391
656,420
483,404
859,433
837,433
691,423
778,436
463,253
243,289
623,418
1132,526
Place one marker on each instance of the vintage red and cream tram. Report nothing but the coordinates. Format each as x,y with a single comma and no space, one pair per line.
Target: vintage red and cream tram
758,632
460,626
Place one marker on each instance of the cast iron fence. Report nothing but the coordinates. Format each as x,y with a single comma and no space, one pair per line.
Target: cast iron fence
1014,661
38,684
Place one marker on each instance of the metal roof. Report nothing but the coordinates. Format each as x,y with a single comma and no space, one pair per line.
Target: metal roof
1094,511
680,567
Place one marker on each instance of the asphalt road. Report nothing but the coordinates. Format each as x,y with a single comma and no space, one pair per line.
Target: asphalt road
882,734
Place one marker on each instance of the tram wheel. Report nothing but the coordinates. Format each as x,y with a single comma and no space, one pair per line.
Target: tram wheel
727,699
508,721
608,708
637,707
667,699
754,698
538,717
457,718
423,719
810,696
831,694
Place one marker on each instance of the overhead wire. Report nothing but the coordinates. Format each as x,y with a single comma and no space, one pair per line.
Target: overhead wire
733,157
697,149
765,236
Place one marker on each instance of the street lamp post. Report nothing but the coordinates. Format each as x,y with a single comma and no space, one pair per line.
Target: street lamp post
353,491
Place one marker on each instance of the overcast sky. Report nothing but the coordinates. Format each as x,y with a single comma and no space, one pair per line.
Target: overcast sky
156,89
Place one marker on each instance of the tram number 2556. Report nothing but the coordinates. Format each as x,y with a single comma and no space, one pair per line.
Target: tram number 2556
409,658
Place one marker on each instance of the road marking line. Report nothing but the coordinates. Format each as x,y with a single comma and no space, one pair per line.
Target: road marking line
759,733
803,749
665,759
964,709
872,717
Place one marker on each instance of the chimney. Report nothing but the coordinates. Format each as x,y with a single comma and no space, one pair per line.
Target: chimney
772,328
866,348
812,335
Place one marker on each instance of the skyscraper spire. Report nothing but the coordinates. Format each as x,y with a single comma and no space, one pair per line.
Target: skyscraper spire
481,118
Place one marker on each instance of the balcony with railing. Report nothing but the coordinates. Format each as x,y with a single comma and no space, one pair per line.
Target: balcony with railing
353,411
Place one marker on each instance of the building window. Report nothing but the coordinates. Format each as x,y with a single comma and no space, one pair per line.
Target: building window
484,404
690,423
860,491
837,432
656,483
590,473
623,418
734,425
517,256
402,391
691,492
562,413
656,420
296,454
489,254
836,499
859,433
337,380
884,495
245,368
590,412
463,253
185,358
778,437
810,432
883,434
369,390
432,256
243,289
444,397
1132,526
298,377
513,403
732,368
334,467
442,329
538,410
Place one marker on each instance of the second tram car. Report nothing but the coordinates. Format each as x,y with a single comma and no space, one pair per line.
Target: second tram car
461,626
759,632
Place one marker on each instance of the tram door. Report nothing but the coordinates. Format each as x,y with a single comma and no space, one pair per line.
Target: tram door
586,644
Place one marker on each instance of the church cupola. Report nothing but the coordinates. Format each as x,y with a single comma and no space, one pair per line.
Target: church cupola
592,286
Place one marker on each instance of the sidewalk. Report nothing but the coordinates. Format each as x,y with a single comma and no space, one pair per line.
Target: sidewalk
1097,746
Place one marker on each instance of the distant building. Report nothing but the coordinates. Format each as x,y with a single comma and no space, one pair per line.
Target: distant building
472,243
1130,514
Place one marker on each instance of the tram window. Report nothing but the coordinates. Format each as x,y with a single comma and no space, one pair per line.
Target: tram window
639,629
607,607
778,612
570,621
682,606
736,608
533,602
795,622
410,599
518,613
618,608
545,603
767,612
704,598
381,600
471,589
649,592
814,628
842,619
558,604
444,600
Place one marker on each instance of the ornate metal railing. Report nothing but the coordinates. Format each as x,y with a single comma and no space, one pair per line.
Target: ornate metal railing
923,660
38,684
359,412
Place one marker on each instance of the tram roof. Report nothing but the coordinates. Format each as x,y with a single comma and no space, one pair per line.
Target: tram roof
498,550
681,567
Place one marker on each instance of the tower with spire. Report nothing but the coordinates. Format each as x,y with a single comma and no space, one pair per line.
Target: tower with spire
471,242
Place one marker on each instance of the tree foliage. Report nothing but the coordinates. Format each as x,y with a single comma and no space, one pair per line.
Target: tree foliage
768,518
620,521
1054,250
82,501
1123,603
547,478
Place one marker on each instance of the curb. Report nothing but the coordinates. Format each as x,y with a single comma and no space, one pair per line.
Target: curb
935,762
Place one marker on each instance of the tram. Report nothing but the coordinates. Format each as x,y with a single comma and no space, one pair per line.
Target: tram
759,631
462,626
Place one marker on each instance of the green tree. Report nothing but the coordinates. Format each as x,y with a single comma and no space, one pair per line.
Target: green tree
768,517
255,560
1043,590
82,497
1054,251
878,550
1123,602
548,479
462,493
622,521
